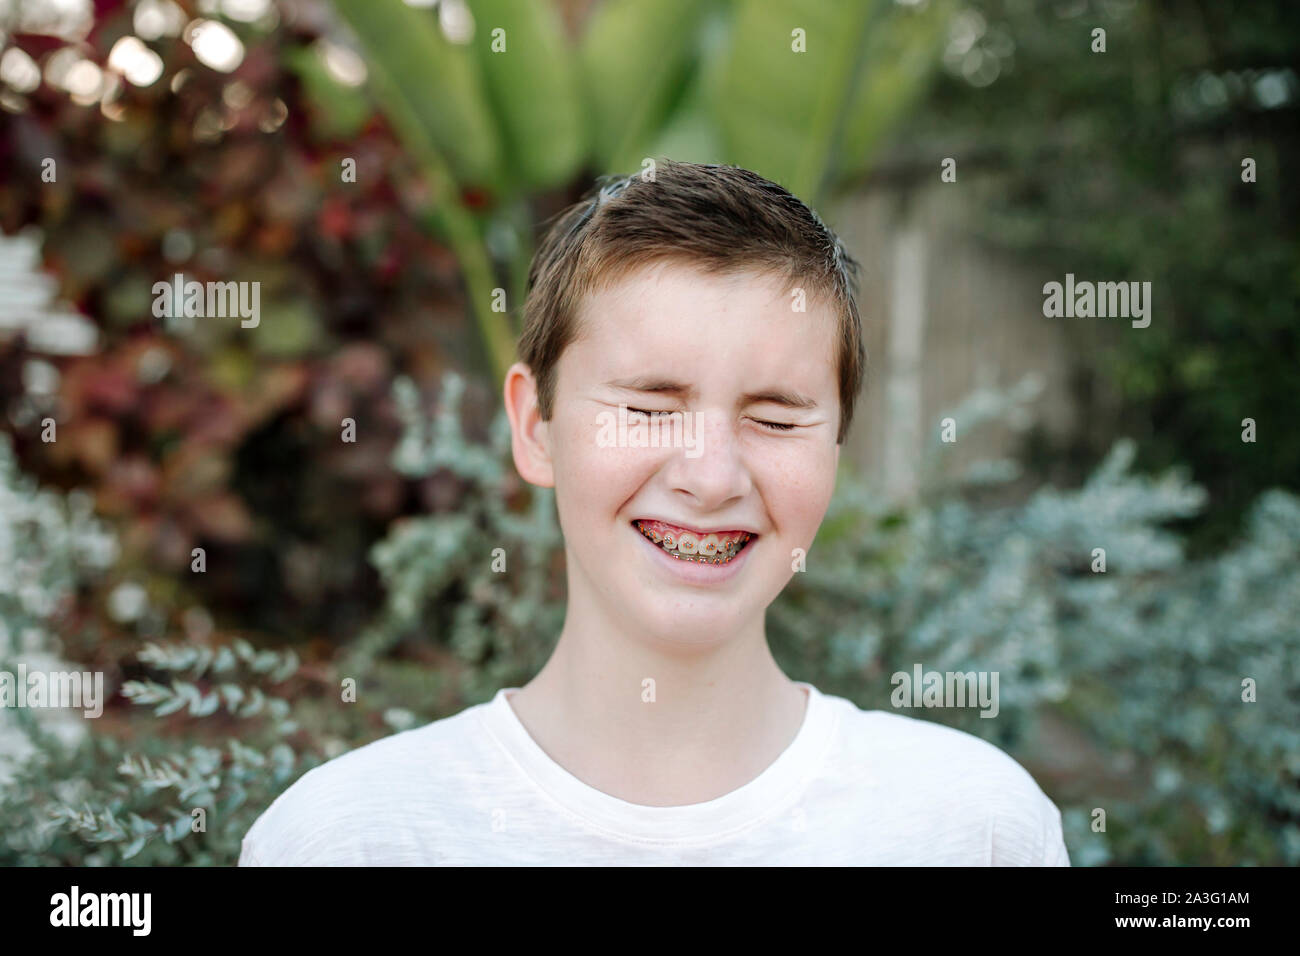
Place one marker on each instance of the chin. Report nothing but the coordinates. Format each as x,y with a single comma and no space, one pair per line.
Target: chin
686,621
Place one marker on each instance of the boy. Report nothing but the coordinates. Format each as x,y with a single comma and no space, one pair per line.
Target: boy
661,731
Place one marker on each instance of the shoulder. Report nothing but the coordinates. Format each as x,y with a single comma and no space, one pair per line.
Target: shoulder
336,809
937,749
953,779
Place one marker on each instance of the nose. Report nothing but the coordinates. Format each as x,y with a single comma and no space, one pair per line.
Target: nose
711,469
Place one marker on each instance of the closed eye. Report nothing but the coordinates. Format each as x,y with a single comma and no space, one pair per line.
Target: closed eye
771,426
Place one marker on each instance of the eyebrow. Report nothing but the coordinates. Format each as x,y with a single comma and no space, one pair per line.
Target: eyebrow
775,396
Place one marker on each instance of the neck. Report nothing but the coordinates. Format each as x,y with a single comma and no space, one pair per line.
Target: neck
658,721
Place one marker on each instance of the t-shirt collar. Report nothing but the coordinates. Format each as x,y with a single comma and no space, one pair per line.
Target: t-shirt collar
771,792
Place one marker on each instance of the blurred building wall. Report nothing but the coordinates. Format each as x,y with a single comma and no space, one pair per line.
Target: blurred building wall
943,314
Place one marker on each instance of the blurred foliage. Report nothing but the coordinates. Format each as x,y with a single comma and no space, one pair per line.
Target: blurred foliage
206,434
1127,165
166,799
1148,657
50,544
125,787
492,610
801,91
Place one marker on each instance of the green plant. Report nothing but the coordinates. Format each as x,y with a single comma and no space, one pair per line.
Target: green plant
49,545
163,801
481,579
801,92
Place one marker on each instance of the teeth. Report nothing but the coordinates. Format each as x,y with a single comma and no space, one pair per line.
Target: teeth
704,549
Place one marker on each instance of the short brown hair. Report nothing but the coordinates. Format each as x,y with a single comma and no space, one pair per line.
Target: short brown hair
720,219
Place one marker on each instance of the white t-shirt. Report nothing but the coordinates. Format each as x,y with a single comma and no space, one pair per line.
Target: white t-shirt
854,788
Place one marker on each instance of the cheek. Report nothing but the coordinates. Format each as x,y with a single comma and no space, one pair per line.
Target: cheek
798,486
589,472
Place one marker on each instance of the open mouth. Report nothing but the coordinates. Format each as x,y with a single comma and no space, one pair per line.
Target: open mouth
718,547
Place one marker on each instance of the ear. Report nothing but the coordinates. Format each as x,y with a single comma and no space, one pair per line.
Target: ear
529,438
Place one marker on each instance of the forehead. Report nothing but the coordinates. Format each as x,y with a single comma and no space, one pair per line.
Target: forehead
672,313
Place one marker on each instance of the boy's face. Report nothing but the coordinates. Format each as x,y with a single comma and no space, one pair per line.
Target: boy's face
727,345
